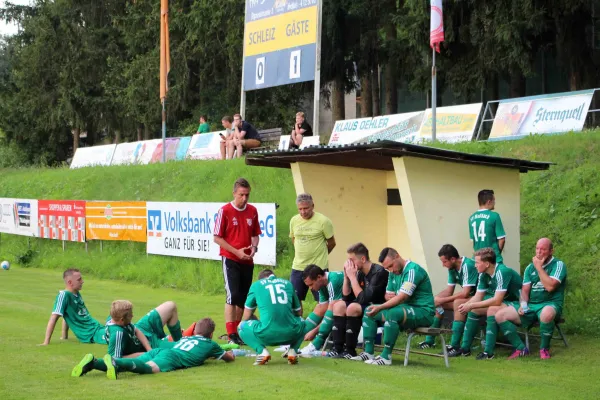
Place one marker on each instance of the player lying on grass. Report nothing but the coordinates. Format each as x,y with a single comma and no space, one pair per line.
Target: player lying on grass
498,287
409,305
128,340
461,271
187,352
329,285
544,284
280,322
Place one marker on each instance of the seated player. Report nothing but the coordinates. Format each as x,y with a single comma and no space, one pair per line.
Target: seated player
188,352
329,285
364,284
544,285
69,305
280,321
498,287
461,271
409,305
128,340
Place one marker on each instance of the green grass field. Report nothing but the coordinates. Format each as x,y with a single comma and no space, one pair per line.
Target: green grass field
29,371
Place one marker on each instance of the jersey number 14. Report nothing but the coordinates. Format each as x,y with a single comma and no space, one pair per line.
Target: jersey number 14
479,234
278,294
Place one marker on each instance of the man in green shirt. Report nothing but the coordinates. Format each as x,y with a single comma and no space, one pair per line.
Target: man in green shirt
542,300
204,127
498,287
312,236
485,225
409,305
461,271
70,305
280,321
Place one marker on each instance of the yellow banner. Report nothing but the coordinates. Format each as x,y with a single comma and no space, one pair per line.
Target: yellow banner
283,31
116,220
450,123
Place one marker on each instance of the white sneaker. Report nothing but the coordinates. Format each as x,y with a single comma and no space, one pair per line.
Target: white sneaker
363,357
309,348
379,361
282,349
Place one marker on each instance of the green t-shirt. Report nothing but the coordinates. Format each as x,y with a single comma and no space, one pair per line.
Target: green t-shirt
310,240
485,228
277,304
122,340
333,290
556,269
72,308
413,281
504,280
204,128
192,351
466,276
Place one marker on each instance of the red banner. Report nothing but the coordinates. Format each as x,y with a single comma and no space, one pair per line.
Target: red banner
61,220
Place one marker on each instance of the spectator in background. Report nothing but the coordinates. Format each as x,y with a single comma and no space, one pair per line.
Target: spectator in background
301,129
246,137
203,127
227,139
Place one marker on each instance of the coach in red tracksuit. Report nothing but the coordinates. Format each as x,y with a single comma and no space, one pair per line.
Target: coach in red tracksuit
237,232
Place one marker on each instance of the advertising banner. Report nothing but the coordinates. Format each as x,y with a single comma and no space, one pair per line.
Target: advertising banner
186,230
61,220
115,220
453,123
126,153
556,113
93,156
19,216
145,151
406,130
352,130
205,146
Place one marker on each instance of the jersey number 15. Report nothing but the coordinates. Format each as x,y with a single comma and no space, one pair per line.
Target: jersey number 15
278,294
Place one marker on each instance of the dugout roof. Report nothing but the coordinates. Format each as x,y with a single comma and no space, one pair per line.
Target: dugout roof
379,155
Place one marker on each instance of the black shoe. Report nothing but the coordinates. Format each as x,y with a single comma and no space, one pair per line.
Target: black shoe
234,338
426,345
458,352
84,366
484,356
335,354
348,355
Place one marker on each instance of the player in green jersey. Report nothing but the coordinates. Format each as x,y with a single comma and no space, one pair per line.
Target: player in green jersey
485,225
461,271
280,322
542,297
329,286
70,305
498,287
409,305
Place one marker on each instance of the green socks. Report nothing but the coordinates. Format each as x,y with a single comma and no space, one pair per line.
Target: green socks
437,322
324,329
546,331
133,365
391,330
491,332
175,331
509,330
471,327
457,331
369,334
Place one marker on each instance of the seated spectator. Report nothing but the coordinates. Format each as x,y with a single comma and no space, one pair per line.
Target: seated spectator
203,127
227,139
246,137
301,129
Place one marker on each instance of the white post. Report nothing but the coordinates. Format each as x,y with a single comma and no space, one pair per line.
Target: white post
243,92
433,97
317,94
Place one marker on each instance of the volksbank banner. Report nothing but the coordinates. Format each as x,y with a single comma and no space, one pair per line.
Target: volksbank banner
555,113
186,230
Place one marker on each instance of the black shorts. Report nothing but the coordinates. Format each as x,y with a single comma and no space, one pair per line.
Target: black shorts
238,278
300,287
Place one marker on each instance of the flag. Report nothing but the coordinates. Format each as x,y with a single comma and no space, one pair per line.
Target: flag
165,58
436,31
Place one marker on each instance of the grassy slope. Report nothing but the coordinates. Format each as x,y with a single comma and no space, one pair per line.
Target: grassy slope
31,372
562,203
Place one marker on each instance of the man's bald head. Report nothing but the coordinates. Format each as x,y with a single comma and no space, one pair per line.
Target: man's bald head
544,249
545,242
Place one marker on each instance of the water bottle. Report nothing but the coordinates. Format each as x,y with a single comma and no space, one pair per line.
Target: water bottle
440,310
243,353
524,305
315,353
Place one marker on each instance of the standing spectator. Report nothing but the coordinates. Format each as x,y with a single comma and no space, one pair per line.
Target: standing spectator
227,139
203,127
246,137
237,233
485,225
301,129
312,236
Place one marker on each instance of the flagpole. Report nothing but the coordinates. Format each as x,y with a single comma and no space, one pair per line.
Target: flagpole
164,70
433,97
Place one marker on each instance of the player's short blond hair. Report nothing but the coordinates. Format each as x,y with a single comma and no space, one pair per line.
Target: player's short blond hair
300,114
120,309
486,254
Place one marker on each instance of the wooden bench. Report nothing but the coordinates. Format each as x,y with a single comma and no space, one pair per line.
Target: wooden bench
269,139
537,324
427,332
